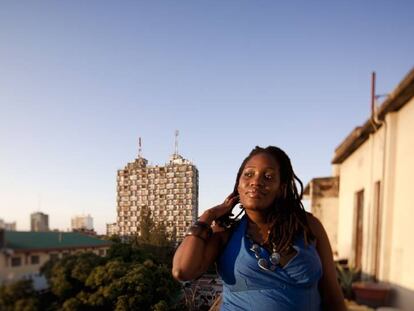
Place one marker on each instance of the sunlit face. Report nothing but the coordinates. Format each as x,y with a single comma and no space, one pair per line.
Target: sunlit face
259,183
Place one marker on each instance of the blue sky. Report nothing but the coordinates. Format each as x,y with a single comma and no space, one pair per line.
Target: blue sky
80,81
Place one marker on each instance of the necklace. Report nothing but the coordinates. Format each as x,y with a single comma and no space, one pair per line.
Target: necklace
263,263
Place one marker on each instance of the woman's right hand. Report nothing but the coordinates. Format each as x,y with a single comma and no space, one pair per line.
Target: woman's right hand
220,210
194,255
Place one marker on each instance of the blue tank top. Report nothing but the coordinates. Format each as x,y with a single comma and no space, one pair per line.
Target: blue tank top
247,287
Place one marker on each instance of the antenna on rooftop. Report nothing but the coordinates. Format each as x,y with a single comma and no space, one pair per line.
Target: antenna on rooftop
139,148
176,143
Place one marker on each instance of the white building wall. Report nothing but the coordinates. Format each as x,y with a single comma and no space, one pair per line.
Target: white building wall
388,195
360,171
401,268
395,170
353,172
326,210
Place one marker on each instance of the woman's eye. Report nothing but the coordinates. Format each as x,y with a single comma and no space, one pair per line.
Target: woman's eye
269,177
248,174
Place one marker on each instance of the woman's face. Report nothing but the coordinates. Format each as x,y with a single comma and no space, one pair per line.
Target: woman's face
259,182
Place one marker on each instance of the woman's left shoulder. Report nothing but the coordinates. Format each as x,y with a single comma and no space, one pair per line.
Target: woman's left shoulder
315,225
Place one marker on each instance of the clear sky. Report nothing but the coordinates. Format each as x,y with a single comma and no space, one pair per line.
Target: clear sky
80,81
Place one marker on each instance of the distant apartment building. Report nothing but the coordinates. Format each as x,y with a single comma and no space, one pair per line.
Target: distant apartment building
9,226
82,222
39,222
23,253
111,229
168,193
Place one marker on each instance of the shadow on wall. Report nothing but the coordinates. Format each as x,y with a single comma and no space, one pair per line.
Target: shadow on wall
402,297
363,289
383,294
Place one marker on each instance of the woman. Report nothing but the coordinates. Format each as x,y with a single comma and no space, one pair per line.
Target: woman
277,257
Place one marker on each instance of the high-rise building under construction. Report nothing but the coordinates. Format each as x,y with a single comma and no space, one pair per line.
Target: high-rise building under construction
169,193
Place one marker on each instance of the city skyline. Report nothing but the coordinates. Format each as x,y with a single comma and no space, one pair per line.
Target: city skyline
81,82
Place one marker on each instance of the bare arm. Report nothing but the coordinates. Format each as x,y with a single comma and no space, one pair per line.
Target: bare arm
193,257
331,294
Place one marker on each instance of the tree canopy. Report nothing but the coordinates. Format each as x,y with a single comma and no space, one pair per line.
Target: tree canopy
133,276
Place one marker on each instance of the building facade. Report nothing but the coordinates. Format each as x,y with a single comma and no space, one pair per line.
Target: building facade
39,222
375,165
168,193
322,193
82,222
9,226
112,229
22,254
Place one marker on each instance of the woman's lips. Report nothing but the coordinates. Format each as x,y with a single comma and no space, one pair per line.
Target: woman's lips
254,194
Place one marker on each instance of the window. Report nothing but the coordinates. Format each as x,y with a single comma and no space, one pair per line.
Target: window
16,261
34,259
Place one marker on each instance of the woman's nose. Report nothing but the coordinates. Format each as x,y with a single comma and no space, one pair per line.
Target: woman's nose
256,180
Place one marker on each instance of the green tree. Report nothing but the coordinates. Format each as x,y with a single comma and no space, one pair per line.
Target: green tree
145,285
68,275
146,225
72,304
127,252
159,236
160,306
128,278
18,296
